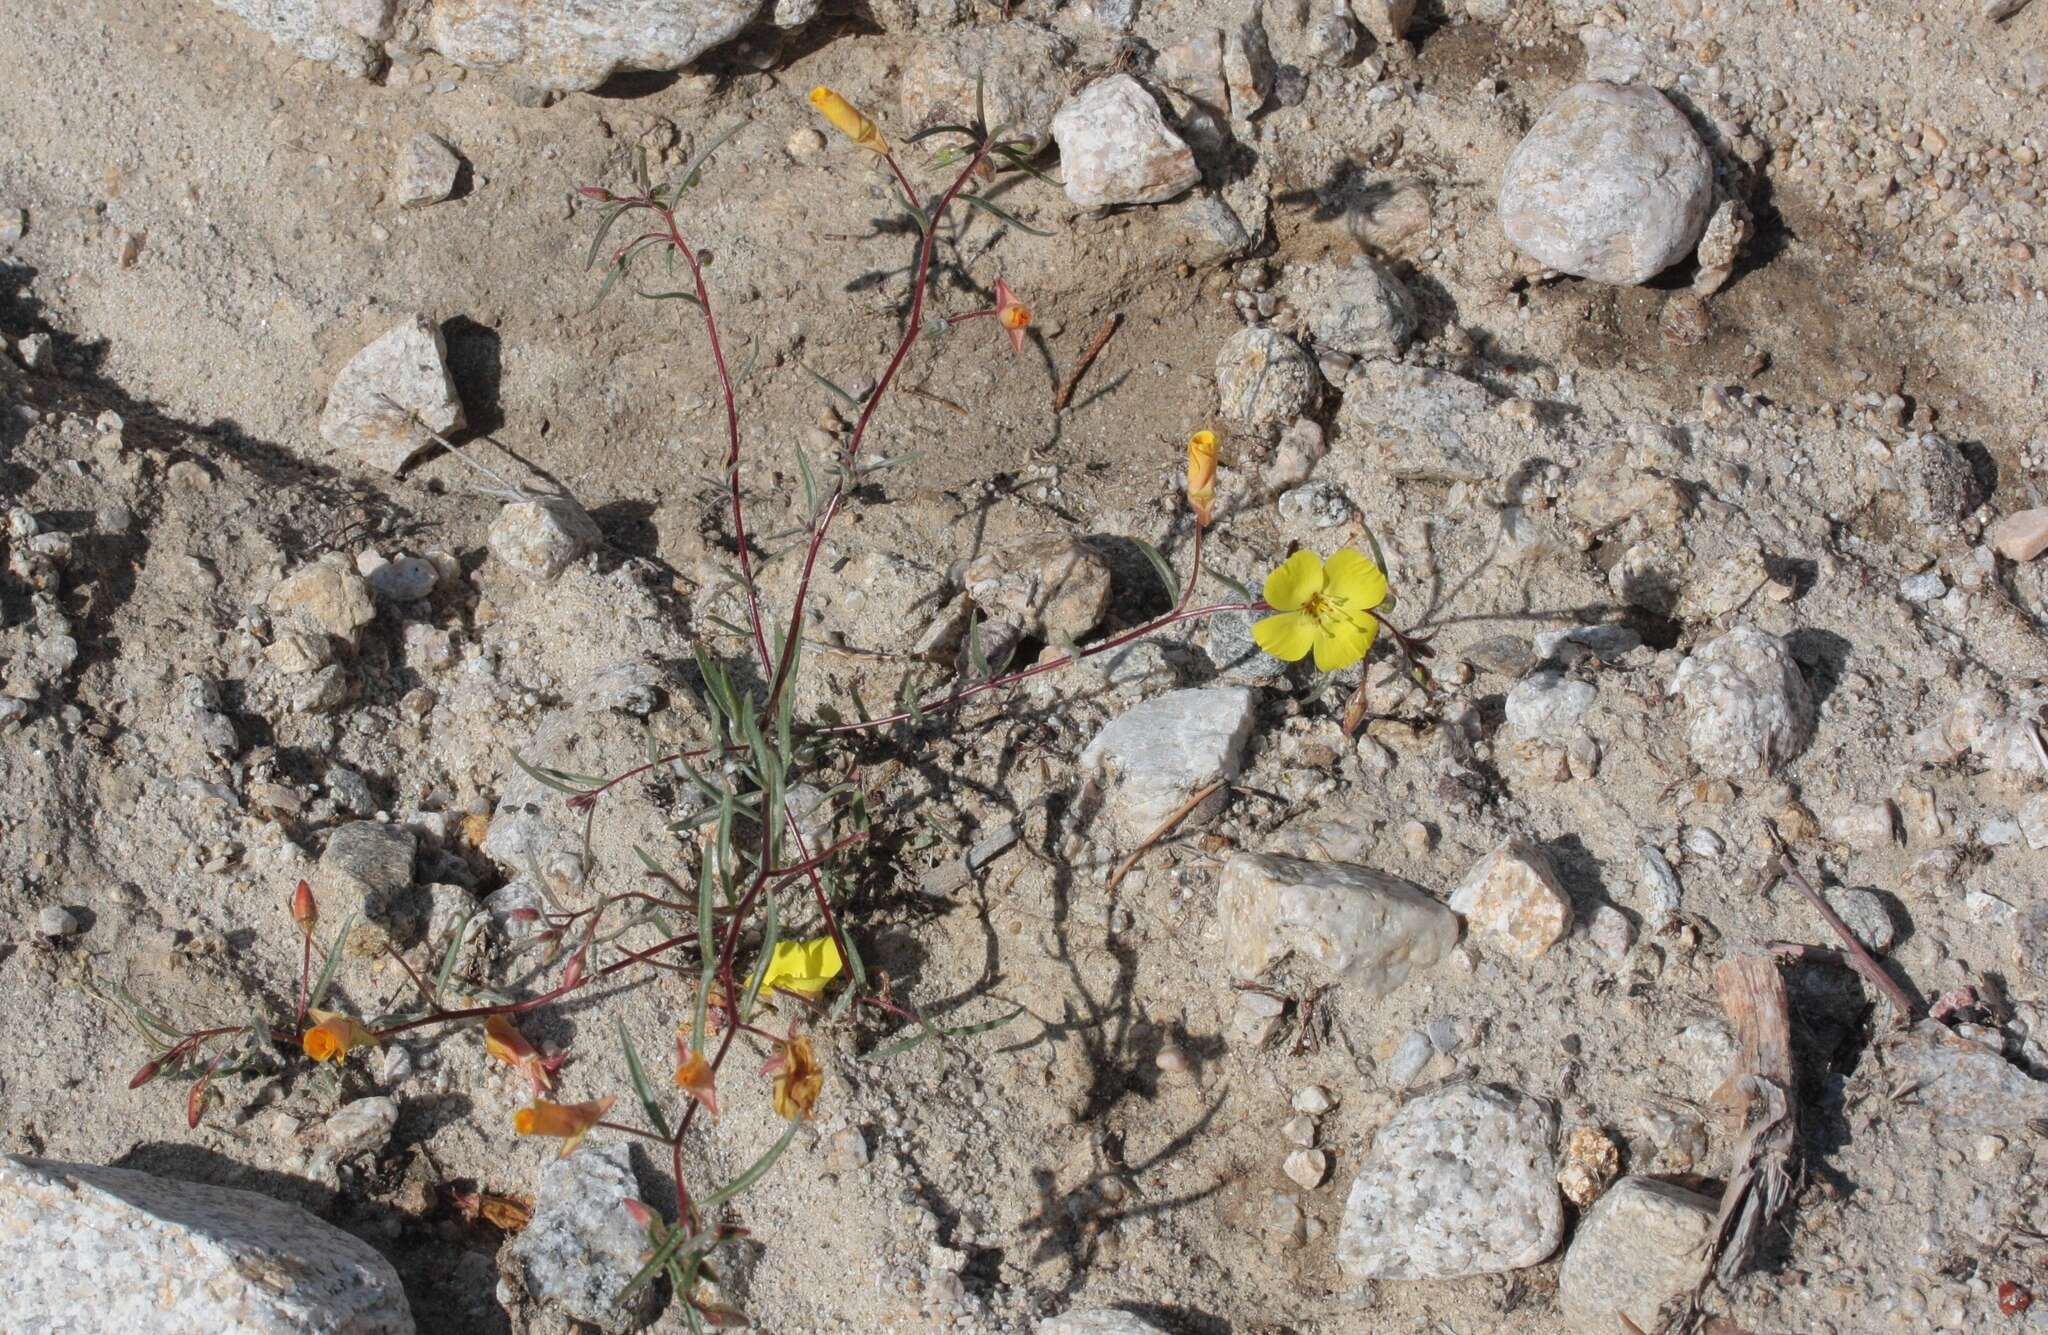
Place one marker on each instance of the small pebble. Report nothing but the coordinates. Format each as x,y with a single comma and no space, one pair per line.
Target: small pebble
57,922
1313,1100
1308,1167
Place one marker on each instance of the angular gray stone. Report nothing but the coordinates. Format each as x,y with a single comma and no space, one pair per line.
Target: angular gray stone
1611,183
1961,1084
1020,64
91,1248
1423,425
362,1126
1194,66
1264,379
407,579
1548,705
314,29
366,870
1115,147
1939,483
1368,929
425,173
1459,1182
1248,67
1097,1321
542,538
1866,916
1052,586
408,366
1748,709
1643,1243
1160,752
1361,309
326,597
583,1247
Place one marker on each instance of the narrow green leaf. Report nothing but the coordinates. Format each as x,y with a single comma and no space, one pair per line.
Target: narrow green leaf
641,1089
604,228
330,964
696,163
850,399
754,1173
931,130
640,170
978,202
1160,566
771,936
933,1031
562,781
448,960
977,661
1240,590
690,297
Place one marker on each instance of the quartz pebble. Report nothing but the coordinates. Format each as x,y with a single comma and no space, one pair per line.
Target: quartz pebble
1313,1100
1307,1167
542,538
1115,147
388,392
426,172
2020,537
1748,709
1459,1182
1611,183
1513,894
1158,753
1370,930
1264,379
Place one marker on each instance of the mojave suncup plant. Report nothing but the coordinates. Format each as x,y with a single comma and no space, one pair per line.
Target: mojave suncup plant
756,931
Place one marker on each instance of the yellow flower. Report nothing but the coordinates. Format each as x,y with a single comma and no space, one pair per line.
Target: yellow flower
846,118
1322,605
798,1078
1202,476
569,1121
333,1036
803,967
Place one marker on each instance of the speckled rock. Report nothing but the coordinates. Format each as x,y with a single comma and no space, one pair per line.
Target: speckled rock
583,1246
1020,63
542,538
1097,1321
319,29
1368,929
1459,1182
409,367
425,173
1157,754
1248,67
1053,586
1361,309
1115,147
574,45
1643,1243
1423,425
1513,896
1548,705
1264,379
1747,706
366,870
326,597
91,1248
1961,1085
1611,183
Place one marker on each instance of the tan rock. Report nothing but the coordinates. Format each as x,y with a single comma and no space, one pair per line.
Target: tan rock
2020,537
1513,893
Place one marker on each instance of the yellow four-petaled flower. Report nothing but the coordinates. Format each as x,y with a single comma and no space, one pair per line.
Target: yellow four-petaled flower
803,967
1324,607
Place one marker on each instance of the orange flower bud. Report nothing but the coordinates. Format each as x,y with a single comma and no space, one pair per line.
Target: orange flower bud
1202,476
333,1036
305,912
1013,315
570,1122
847,119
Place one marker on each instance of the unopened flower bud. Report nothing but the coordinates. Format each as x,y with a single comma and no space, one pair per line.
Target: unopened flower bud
305,912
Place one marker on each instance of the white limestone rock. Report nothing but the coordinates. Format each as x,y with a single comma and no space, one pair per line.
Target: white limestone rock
1611,183
1265,379
1368,929
1748,708
1643,1243
91,1248
1157,754
1116,148
407,366
1460,1182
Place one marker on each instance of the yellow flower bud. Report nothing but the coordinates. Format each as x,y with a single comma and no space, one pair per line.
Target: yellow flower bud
847,119
1202,476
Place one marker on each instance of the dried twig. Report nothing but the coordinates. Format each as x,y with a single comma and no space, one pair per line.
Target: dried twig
1864,962
1066,393
1761,1091
1165,828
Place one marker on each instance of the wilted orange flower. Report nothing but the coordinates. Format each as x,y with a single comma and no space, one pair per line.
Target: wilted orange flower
333,1036
569,1121
503,1040
846,118
1202,476
798,1078
1013,315
694,1075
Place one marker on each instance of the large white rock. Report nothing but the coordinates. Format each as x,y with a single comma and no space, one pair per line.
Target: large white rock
1459,1182
409,367
88,1248
1115,147
1369,929
1643,1243
1160,752
567,45
1748,709
1018,65
1611,183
